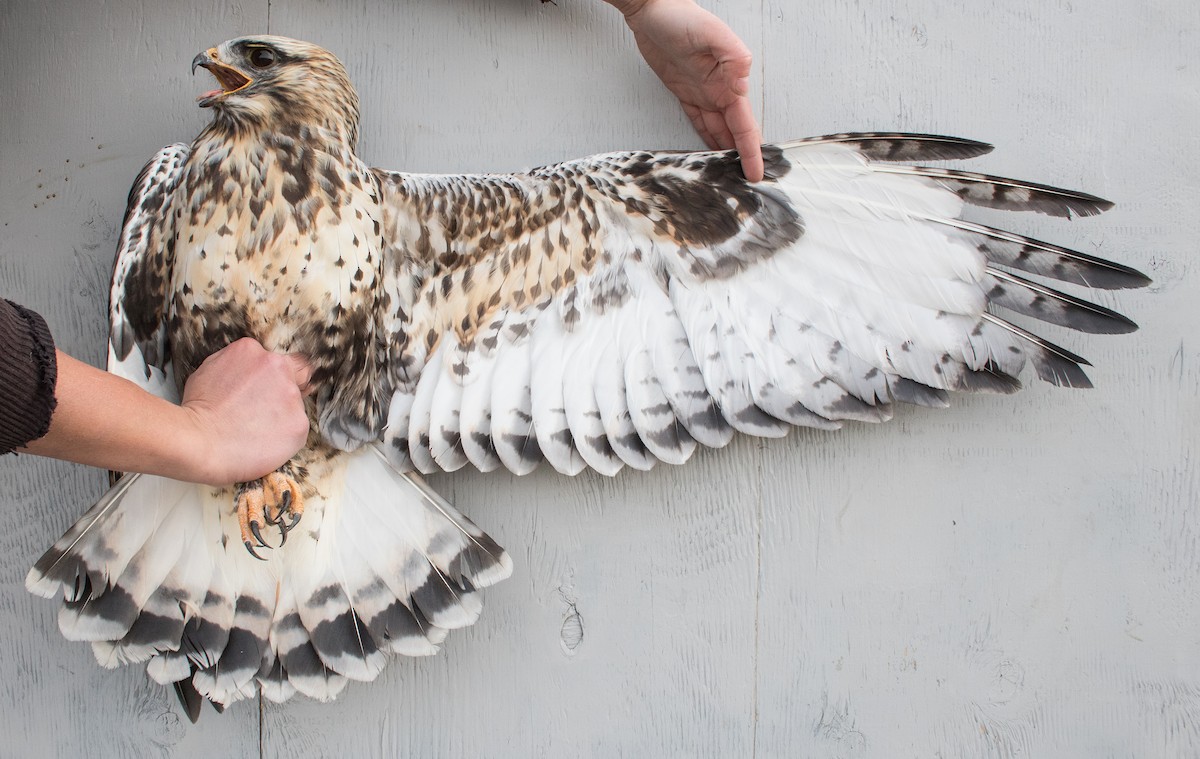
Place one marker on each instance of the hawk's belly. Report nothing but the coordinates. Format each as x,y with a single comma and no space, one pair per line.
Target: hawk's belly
303,293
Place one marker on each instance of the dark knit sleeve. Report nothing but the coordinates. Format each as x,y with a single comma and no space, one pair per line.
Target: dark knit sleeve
28,373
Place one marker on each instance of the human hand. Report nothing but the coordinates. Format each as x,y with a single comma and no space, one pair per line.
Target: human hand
704,63
247,408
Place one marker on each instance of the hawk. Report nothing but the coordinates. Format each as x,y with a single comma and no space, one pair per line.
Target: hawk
614,311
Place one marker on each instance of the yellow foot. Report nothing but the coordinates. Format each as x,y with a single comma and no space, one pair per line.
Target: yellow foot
273,500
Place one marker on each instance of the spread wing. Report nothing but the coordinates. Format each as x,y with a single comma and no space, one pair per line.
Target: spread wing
137,346
621,309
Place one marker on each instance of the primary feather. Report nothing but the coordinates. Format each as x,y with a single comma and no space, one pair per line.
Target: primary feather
622,309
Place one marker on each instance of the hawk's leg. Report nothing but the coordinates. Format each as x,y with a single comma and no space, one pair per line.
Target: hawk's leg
273,500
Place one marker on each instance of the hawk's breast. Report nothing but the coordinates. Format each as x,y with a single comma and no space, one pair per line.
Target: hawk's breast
279,241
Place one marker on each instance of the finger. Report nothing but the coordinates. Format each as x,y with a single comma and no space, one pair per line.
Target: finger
741,86
696,116
752,161
714,121
232,349
747,138
301,371
247,345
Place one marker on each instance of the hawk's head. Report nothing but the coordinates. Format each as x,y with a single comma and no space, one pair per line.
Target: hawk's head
268,81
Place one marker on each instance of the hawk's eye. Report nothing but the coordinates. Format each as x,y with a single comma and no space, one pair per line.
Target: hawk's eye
262,57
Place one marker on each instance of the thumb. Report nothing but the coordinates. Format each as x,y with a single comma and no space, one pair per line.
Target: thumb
301,371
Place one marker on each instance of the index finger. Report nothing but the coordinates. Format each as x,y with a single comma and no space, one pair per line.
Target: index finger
301,371
747,138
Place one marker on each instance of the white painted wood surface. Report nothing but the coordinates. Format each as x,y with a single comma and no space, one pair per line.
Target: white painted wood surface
1011,577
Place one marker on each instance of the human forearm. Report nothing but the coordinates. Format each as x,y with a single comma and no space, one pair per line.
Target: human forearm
242,415
105,421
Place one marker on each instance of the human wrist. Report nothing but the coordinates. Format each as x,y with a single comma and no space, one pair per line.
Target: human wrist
192,454
629,8
654,18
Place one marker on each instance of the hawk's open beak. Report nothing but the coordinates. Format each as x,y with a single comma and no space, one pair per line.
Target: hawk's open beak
230,79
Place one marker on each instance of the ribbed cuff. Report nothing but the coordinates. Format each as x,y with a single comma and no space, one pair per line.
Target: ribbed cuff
28,375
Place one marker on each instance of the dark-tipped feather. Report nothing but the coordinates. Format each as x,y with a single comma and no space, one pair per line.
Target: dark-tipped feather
60,563
1048,260
900,146
918,394
1045,303
1053,363
1008,194
990,379
189,698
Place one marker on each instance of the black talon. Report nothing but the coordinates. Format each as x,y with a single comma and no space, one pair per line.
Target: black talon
258,535
284,529
285,501
250,549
